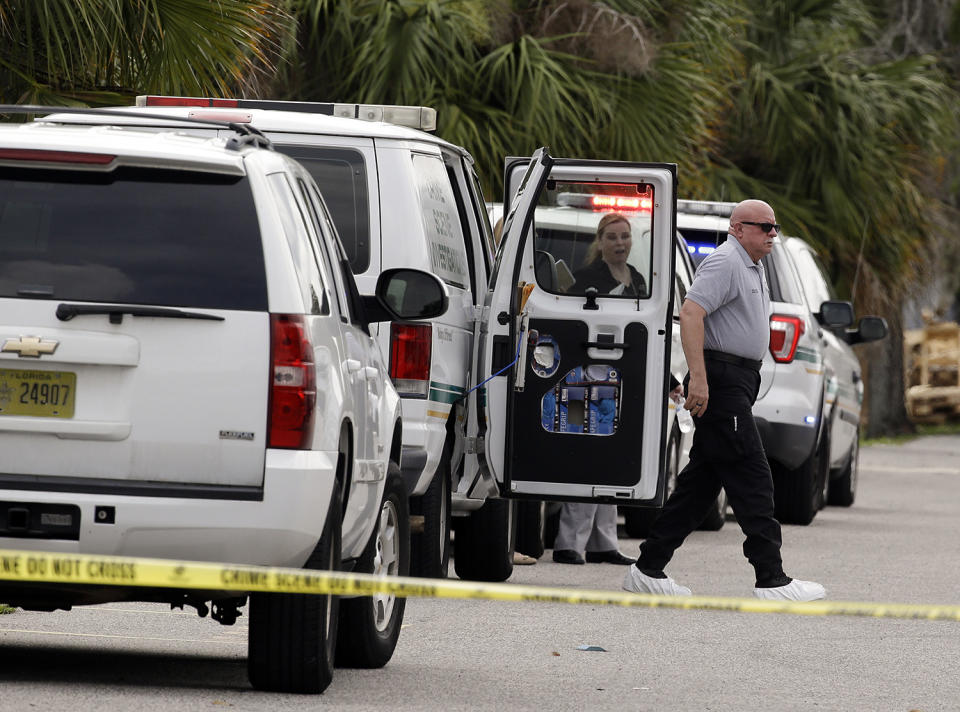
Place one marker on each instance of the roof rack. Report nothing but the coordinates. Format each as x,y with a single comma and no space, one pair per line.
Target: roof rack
246,135
414,117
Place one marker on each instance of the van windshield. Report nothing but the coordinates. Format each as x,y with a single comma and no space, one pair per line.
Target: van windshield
132,236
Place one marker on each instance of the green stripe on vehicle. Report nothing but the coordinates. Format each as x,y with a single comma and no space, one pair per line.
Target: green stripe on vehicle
445,392
443,396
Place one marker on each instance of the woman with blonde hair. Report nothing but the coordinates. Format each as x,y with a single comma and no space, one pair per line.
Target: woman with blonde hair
606,266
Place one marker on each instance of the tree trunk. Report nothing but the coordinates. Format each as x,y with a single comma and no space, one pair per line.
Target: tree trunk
884,410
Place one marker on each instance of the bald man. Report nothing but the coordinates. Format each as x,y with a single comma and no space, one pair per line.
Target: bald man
725,331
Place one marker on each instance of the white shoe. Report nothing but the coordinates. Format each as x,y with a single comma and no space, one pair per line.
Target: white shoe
636,581
796,590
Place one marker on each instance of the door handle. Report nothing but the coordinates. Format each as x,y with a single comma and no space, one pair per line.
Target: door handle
352,365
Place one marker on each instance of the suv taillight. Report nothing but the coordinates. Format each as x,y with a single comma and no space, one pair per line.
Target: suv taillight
293,383
410,358
785,332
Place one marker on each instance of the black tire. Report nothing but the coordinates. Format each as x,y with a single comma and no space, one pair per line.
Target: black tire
370,625
292,637
430,549
717,516
531,521
484,542
798,493
637,521
843,489
822,484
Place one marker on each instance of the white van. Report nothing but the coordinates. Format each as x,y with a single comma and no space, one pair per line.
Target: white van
402,197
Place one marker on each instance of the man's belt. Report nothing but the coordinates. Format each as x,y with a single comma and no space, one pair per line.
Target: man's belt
750,363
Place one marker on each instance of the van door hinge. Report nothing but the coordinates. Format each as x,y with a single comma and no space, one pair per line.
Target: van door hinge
479,313
472,446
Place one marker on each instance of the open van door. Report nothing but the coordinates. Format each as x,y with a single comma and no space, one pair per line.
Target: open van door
578,409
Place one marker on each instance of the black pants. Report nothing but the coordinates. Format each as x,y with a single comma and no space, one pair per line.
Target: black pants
726,452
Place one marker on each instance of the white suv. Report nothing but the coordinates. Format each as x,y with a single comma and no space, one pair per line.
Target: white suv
808,408
186,372
843,373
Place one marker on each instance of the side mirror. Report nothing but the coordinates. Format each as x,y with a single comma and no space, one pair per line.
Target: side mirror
835,314
870,328
403,294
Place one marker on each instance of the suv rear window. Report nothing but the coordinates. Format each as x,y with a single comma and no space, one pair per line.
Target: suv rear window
133,236
341,175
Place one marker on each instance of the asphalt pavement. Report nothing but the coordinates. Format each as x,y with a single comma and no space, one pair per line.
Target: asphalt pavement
897,543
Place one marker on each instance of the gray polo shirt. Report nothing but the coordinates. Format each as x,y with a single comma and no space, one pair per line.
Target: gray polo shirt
733,291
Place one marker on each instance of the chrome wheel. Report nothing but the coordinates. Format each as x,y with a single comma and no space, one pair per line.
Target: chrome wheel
386,562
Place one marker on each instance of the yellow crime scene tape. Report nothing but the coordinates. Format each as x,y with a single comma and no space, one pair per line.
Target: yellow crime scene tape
41,567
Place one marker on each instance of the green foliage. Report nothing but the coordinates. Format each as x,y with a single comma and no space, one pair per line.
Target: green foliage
837,139
100,52
627,80
4,608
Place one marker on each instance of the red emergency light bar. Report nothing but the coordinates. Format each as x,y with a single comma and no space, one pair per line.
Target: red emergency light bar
642,203
45,156
620,202
188,101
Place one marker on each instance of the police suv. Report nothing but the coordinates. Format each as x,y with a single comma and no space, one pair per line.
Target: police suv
811,389
187,372
400,196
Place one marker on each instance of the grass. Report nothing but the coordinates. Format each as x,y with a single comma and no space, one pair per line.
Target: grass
4,608
922,431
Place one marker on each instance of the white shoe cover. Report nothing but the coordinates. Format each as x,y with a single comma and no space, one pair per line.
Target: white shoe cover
635,581
796,590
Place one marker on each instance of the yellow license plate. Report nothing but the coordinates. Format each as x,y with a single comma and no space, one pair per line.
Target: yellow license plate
47,394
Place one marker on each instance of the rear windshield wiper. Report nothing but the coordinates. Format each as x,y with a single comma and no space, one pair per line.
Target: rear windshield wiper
66,312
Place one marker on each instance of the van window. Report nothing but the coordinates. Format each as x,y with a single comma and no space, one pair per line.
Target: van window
341,175
133,236
484,220
464,228
441,221
571,257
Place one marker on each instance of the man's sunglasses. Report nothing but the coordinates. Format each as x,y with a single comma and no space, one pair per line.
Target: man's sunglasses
766,227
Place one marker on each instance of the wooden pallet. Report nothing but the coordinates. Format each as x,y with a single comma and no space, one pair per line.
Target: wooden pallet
932,404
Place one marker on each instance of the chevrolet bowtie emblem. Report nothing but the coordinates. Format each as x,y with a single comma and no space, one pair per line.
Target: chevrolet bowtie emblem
30,346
